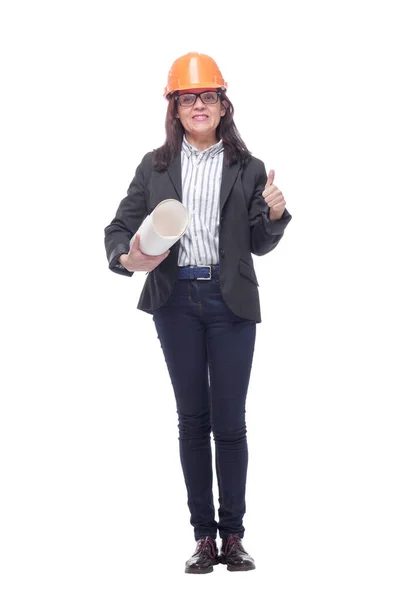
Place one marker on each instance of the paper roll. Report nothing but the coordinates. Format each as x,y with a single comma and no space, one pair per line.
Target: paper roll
163,227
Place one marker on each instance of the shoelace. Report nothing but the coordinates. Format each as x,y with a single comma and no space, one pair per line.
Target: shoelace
232,542
206,543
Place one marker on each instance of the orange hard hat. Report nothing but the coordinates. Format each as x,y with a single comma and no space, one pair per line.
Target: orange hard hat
194,70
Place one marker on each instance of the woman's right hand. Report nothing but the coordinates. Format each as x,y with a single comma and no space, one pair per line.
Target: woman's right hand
137,261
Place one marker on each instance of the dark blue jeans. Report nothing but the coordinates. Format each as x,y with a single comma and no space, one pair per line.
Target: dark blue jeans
209,352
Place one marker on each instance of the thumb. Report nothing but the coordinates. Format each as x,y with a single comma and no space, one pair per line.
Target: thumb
136,242
271,177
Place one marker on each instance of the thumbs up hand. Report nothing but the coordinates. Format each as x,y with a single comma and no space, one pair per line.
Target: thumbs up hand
274,198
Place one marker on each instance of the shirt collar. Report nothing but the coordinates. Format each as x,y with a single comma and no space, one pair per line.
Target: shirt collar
190,150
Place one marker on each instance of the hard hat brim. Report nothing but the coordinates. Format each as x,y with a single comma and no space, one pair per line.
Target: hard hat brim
168,93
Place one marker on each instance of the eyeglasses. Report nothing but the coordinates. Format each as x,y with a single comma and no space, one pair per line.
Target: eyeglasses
190,99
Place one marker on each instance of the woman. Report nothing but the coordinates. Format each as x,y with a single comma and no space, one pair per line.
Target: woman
203,292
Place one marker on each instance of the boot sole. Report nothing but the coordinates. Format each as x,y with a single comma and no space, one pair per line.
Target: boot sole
230,568
233,568
199,571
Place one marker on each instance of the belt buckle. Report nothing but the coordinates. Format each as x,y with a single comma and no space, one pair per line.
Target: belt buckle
205,278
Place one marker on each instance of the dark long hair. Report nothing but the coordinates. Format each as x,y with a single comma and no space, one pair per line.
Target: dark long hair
234,147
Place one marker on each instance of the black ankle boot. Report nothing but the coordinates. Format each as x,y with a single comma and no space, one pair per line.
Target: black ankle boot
204,557
234,555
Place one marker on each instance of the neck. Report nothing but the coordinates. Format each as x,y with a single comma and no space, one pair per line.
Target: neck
201,143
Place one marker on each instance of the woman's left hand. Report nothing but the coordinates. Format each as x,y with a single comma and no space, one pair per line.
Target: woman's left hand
274,198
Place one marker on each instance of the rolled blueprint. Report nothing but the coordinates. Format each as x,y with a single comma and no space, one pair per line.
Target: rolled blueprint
163,227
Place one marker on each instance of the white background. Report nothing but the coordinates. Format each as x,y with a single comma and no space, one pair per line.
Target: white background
93,503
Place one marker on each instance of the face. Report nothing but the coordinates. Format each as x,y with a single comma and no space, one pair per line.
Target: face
200,119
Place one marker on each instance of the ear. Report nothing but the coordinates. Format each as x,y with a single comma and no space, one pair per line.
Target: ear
224,107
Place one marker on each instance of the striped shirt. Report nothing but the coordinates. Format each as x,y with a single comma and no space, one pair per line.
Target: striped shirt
201,184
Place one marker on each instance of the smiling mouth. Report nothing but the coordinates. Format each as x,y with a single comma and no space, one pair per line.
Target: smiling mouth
200,117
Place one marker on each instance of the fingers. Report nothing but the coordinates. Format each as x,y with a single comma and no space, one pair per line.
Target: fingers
164,256
280,207
160,258
154,261
271,193
275,200
145,262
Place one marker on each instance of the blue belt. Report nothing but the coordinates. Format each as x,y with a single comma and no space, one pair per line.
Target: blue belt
194,272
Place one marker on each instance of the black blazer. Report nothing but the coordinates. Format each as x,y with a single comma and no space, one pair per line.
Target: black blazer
244,229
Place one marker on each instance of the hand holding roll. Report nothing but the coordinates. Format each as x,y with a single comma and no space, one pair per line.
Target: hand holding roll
136,260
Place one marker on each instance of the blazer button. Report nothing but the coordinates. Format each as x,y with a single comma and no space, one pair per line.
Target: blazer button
222,252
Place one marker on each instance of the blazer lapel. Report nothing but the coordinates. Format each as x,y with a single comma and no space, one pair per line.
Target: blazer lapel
175,174
229,174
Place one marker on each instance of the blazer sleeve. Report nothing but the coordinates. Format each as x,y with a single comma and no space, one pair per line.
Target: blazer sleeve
265,234
129,216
